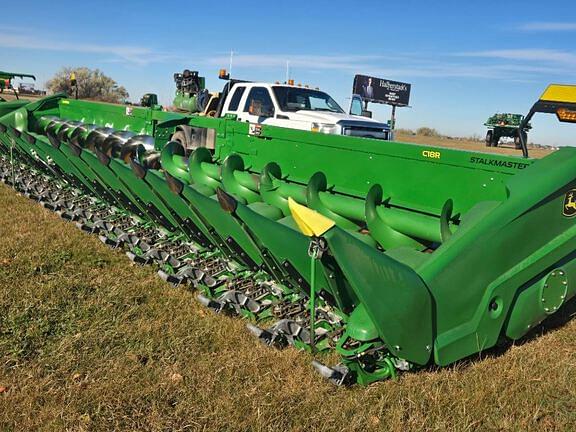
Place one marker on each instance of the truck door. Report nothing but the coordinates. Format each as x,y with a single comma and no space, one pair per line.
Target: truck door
258,106
233,102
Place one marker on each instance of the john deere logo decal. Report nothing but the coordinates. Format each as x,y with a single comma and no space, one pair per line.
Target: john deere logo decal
569,209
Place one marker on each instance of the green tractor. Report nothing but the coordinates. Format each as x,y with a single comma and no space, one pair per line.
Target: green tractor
506,125
6,80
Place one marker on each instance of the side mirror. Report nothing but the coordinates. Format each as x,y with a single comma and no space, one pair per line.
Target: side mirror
366,113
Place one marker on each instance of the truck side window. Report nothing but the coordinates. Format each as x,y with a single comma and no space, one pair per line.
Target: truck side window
235,101
259,103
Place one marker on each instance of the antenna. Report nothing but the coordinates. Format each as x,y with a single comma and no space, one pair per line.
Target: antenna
287,70
231,58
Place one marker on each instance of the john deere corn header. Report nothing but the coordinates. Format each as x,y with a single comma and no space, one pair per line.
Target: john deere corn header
397,256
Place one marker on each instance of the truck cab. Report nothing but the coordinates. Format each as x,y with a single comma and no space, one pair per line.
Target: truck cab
298,107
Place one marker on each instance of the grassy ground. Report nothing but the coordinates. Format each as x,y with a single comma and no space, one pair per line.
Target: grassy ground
89,342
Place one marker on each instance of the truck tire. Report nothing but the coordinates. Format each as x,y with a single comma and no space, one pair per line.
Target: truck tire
180,136
495,140
489,138
192,138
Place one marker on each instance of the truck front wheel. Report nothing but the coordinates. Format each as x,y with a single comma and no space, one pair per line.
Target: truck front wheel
180,136
489,135
495,140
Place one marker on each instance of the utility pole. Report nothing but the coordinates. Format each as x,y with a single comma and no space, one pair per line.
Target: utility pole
393,121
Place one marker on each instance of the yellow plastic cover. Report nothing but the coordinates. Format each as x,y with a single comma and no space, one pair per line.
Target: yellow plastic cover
310,222
560,93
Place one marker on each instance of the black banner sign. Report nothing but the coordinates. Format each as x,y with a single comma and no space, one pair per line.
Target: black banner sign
380,90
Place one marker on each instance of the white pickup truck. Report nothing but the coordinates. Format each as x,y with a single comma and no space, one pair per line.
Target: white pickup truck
281,105
299,107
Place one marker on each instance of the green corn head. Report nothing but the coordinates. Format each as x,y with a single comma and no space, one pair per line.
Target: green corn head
397,256
9,106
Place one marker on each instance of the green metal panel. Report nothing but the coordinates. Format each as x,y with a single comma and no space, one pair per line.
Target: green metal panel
7,107
192,223
394,296
500,252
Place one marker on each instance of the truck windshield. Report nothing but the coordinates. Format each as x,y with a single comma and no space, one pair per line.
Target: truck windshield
293,99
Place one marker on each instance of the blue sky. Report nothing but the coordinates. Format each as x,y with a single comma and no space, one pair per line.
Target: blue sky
465,60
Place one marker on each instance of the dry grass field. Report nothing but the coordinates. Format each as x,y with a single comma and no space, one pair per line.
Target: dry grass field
468,144
90,342
9,96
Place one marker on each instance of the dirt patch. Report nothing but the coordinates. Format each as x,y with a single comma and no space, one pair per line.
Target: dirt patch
471,145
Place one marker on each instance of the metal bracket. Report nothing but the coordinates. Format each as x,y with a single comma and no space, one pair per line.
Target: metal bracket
317,247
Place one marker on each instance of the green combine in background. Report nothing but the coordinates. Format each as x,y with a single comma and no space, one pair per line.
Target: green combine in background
6,84
6,80
396,256
506,125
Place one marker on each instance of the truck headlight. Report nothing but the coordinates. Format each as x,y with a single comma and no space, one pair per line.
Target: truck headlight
327,128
